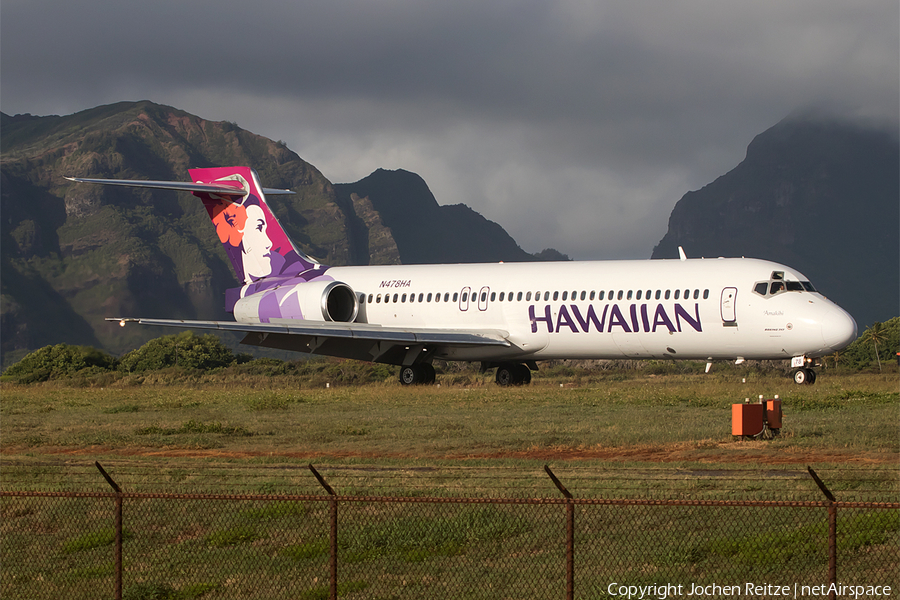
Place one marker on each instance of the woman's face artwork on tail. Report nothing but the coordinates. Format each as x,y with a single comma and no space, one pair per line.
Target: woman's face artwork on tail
257,246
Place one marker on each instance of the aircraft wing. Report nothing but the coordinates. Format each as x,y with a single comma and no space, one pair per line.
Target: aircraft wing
346,340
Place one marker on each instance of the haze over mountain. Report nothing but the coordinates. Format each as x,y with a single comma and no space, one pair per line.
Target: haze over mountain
73,254
819,194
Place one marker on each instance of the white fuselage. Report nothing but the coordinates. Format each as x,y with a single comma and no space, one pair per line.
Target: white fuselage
678,309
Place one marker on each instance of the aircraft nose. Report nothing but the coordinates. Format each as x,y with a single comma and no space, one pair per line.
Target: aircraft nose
838,329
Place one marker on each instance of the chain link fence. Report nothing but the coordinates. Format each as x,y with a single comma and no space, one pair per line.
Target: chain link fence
117,544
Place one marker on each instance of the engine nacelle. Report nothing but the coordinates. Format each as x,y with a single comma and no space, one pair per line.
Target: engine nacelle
312,301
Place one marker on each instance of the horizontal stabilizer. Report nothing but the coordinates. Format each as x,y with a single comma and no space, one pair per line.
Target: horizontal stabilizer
224,188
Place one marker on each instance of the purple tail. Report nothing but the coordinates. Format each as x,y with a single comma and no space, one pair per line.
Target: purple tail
254,240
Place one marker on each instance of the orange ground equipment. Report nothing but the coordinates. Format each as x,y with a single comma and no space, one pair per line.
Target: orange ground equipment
773,415
747,419
756,420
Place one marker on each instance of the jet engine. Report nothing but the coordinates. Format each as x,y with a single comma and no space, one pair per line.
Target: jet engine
311,301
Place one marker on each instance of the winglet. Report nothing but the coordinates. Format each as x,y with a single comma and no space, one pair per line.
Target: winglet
681,253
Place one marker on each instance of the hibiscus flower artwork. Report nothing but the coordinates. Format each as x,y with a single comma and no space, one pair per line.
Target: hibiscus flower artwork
229,219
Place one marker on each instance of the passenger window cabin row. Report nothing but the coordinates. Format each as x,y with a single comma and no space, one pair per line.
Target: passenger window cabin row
556,296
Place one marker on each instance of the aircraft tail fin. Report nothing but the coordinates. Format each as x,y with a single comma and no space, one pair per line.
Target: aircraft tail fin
254,240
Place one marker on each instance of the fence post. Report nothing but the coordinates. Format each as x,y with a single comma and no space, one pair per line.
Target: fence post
118,550
570,534
832,532
832,548
333,535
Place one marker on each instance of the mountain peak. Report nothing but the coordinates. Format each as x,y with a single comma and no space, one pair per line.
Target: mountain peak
819,194
426,232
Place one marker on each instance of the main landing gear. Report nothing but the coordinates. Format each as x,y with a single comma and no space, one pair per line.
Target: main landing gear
513,374
507,373
417,374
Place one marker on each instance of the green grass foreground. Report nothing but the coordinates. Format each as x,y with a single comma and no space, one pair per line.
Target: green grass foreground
628,436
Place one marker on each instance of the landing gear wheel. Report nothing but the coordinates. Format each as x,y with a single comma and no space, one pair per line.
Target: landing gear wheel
416,374
804,376
507,375
409,375
514,374
524,374
428,373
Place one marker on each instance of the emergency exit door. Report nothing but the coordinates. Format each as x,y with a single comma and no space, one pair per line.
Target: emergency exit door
729,300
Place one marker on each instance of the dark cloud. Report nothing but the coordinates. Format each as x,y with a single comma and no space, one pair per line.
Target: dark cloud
574,124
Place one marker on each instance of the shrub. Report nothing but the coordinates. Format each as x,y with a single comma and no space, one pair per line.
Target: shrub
184,350
59,362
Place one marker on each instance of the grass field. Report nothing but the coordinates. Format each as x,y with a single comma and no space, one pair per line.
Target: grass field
659,423
627,436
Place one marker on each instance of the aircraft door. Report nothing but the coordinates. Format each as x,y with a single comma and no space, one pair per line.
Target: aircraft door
483,298
728,302
464,298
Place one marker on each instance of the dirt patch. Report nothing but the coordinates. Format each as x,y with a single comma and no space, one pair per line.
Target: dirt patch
662,455
742,452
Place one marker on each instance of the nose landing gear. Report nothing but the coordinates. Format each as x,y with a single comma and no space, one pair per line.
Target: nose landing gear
803,373
804,376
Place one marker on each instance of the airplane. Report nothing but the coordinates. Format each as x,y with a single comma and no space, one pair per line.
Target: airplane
508,316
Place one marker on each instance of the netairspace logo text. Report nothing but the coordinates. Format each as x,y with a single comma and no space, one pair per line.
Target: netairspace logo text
749,590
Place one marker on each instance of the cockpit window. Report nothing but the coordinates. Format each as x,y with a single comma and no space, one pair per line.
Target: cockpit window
778,285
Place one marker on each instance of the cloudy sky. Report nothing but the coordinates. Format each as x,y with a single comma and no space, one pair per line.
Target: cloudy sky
575,124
